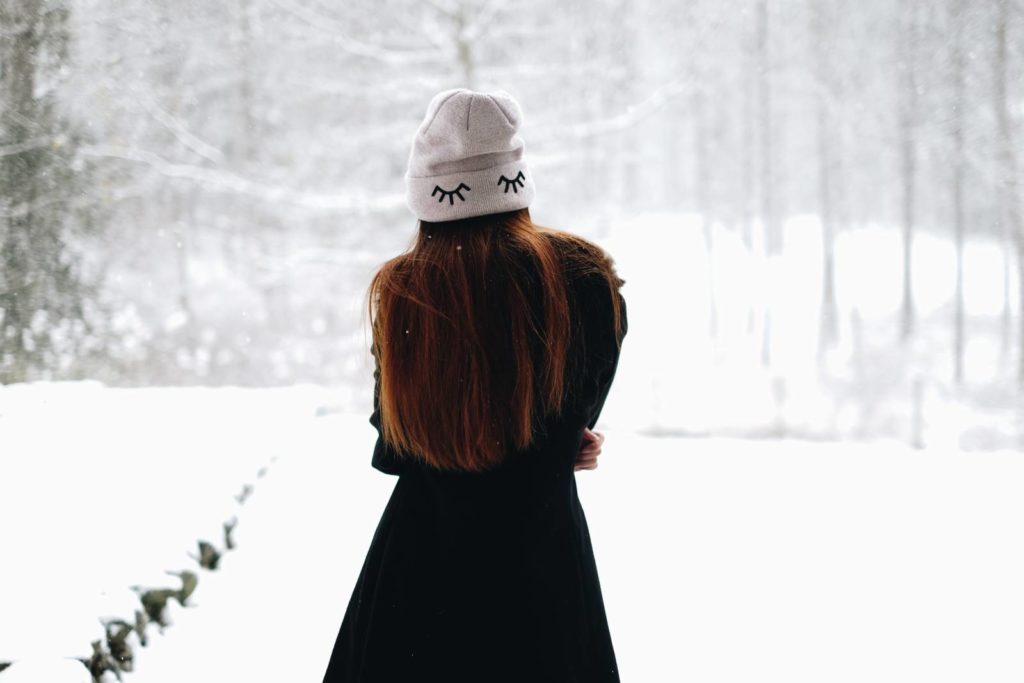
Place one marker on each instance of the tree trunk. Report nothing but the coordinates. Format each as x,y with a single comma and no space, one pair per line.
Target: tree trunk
746,155
908,117
768,222
1012,215
17,185
464,50
702,166
959,171
828,323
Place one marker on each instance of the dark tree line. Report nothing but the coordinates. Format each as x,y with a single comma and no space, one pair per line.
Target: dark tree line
45,288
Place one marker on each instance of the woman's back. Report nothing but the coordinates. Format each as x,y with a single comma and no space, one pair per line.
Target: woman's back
591,365
481,568
491,575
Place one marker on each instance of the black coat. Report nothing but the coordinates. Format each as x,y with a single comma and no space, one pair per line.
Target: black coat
489,577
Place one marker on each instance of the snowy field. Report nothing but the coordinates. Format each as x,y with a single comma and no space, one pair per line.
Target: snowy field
676,378
793,488
721,560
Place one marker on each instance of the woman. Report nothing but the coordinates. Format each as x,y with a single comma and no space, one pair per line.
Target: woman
496,341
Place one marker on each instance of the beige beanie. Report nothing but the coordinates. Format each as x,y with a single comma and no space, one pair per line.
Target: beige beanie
467,157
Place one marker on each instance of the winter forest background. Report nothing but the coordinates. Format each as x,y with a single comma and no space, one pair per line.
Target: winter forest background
817,206
198,193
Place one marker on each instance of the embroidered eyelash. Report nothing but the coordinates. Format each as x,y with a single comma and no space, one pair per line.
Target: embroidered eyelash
450,193
515,183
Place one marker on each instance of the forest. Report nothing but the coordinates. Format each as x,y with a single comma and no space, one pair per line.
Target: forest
197,193
817,208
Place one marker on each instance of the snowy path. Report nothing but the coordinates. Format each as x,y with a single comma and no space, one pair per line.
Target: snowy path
720,560
103,489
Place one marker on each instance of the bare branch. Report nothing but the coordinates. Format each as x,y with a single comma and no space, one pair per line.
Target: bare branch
630,117
449,9
177,127
337,32
483,21
231,182
18,148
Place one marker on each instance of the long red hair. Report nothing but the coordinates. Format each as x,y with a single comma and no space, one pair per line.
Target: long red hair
472,332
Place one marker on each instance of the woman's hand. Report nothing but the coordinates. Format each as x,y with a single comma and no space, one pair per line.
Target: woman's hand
586,459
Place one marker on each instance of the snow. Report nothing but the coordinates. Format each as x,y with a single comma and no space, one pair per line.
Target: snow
802,561
720,559
102,489
675,377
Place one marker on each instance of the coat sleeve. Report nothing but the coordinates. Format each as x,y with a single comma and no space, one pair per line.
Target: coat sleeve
384,458
609,353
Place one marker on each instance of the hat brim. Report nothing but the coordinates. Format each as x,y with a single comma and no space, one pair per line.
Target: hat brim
470,193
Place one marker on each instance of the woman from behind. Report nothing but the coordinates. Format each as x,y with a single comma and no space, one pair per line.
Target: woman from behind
495,341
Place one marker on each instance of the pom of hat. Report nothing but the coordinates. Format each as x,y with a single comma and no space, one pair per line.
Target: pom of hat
467,157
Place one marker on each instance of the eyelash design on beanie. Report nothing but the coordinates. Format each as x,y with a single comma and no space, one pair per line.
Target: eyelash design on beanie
515,183
450,193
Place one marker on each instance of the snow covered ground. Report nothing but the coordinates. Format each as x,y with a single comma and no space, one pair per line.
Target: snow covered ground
676,377
104,489
721,560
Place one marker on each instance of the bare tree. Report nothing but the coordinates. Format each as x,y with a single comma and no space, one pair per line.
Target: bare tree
769,220
44,317
957,77
822,21
908,117
1011,214
703,167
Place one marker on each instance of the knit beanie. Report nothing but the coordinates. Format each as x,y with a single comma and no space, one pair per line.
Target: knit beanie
467,157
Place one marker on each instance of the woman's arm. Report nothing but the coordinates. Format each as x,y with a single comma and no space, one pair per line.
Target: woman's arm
610,352
384,458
